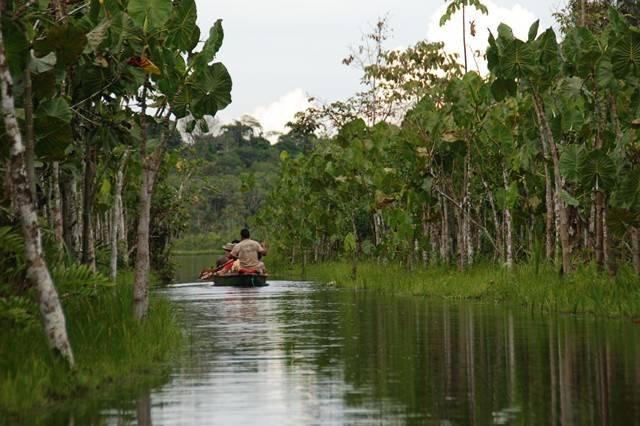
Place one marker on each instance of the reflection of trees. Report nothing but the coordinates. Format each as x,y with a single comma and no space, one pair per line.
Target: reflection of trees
470,363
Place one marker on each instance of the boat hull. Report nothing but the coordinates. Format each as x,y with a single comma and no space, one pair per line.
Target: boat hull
240,281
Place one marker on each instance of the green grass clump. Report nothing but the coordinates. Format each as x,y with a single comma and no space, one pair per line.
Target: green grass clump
583,291
111,349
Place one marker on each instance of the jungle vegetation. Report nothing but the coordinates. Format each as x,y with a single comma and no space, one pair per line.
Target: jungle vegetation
536,161
91,95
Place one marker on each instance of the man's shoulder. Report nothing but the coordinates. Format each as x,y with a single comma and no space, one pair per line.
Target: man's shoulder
248,243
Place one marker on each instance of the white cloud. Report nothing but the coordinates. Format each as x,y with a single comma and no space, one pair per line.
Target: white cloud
517,17
274,116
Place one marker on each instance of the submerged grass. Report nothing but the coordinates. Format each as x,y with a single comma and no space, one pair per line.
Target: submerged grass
112,352
584,291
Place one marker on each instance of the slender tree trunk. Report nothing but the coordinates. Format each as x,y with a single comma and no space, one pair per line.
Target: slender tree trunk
88,246
116,217
467,240
445,247
498,253
560,205
599,229
141,287
635,249
37,271
150,165
56,209
354,258
507,222
464,36
30,143
609,245
550,241
122,232
70,213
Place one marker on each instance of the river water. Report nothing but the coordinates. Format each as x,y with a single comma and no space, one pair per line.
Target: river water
299,353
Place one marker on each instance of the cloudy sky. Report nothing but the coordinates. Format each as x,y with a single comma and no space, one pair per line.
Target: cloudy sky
280,51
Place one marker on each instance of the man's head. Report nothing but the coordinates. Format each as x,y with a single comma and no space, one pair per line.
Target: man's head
245,234
228,247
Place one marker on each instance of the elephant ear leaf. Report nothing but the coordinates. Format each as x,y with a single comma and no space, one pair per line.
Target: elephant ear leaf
53,129
571,163
149,14
625,55
627,194
212,91
533,30
598,171
67,41
183,30
211,46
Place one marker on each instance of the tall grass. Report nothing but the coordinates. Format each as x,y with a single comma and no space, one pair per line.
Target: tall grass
537,286
111,349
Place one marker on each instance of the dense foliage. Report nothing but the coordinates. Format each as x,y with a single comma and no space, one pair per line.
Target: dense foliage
538,159
91,95
227,175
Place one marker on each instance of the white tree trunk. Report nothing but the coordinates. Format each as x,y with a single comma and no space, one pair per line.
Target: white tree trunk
507,222
70,214
141,286
37,271
635,248
116,218
56,209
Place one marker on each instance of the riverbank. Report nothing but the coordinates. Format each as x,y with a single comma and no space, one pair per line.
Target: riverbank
583,292
113,353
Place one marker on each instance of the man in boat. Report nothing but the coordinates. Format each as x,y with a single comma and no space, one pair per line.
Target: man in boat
227,251
248,252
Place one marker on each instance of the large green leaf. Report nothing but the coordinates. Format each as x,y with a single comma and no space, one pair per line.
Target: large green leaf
211,46
518,60
57,108
627,194
67,41
16,46
598,171
502,88
184,33
213,90
149,14
625,55
53,137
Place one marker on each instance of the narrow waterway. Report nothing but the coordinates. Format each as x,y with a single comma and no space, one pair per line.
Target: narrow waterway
298,353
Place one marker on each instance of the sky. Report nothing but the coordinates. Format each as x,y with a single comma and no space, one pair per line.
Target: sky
279,52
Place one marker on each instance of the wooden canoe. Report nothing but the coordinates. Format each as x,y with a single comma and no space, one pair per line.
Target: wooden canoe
240,280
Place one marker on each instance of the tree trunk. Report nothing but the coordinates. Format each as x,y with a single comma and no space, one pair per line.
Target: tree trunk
354,258
88,246
30,143
150,165
609,245
464,36
445,247
560,205
37,271
71,227
141,287
550,241
498,252
507,222
56,209
116,217
467,240
635,249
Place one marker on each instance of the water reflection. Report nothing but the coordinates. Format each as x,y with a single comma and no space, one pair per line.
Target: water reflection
293,353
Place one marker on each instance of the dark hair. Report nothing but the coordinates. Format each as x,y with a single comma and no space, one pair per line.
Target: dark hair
245,233
235,241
